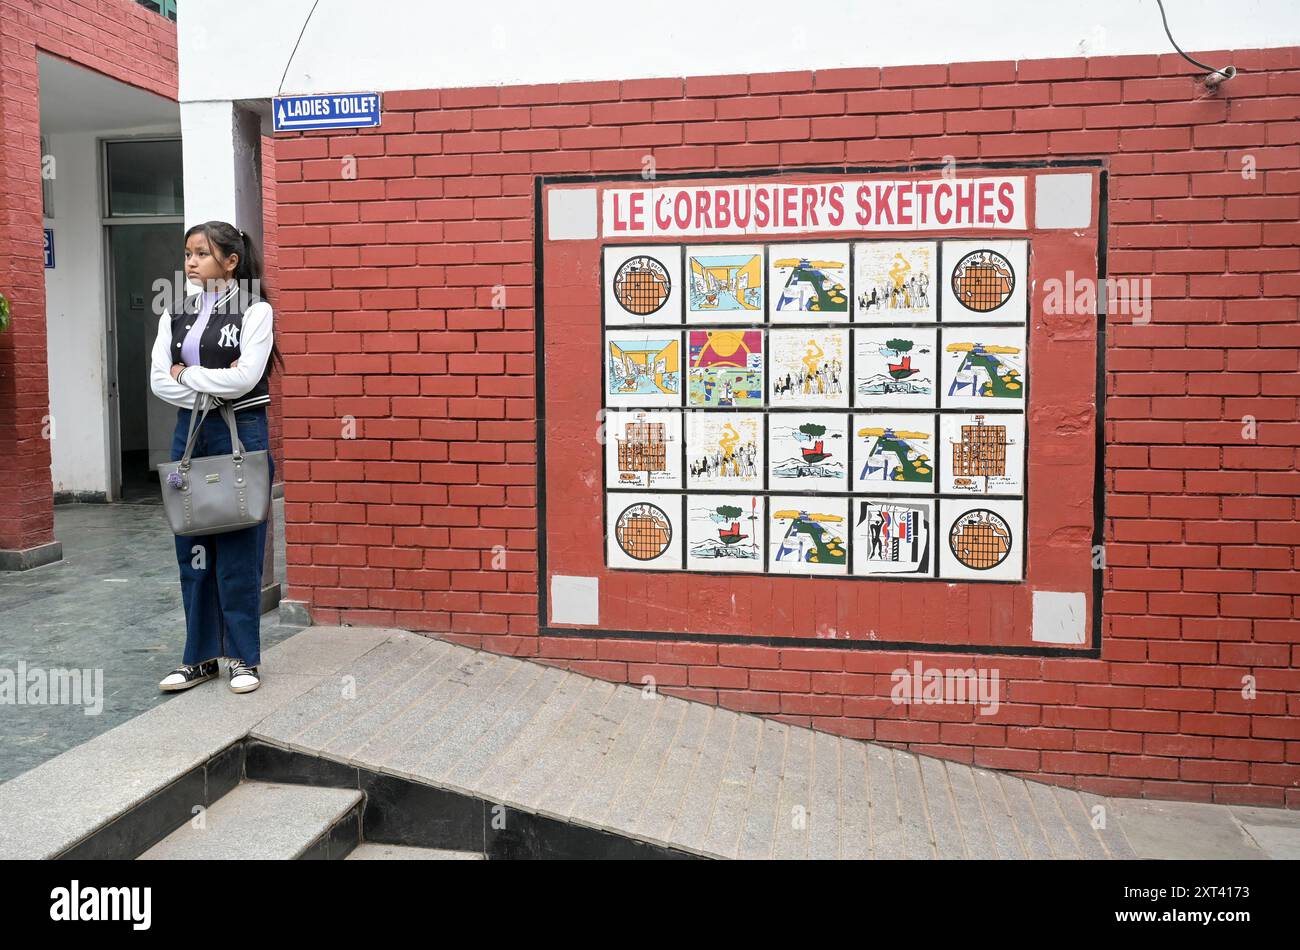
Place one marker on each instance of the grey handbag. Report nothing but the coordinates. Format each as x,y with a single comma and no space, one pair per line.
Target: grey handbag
215,493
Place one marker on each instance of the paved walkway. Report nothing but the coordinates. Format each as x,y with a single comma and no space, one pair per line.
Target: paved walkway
666,770
656,768
112,604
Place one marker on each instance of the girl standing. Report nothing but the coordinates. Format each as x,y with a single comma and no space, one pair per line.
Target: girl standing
219,342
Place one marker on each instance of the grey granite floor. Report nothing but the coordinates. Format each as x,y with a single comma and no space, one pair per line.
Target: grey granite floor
581,750
113,604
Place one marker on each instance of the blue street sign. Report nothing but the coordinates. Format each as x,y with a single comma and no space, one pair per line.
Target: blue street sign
346,110
49,248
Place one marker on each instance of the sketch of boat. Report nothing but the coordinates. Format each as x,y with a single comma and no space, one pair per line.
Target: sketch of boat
815,453
732,535
902,369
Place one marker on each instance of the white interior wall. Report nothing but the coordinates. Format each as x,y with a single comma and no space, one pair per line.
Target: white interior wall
78,107
75,319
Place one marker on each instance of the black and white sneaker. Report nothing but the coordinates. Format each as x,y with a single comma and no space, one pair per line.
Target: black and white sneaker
183,677
243,678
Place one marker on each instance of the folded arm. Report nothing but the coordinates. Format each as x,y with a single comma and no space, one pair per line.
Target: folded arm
235,381
160,369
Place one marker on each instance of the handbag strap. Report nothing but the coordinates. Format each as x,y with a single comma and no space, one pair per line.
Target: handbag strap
200,399
196,422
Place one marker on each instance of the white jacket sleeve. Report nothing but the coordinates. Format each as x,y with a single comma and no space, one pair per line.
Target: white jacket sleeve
160,376
254,350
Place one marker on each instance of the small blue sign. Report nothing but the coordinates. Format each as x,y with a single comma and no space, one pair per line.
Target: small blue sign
345,110
49,248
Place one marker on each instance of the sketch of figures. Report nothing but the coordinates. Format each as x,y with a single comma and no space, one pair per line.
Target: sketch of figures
808,368
894,282
724,450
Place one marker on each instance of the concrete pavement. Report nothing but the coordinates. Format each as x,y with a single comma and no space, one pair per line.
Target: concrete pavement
654,768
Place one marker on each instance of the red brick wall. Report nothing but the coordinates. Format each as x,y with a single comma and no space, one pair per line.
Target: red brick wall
385,314
271,266
119,39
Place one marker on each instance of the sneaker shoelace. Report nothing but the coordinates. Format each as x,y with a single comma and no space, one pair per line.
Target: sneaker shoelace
241,669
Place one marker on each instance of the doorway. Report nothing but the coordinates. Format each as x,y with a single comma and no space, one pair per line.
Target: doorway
144,231
138,256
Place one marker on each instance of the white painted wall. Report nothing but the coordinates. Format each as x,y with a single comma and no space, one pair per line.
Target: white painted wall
208,162
75,319
418,44
78,107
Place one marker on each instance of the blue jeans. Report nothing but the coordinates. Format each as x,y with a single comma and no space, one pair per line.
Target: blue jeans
221,574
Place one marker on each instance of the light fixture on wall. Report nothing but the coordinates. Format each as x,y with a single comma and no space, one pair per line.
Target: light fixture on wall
1214,77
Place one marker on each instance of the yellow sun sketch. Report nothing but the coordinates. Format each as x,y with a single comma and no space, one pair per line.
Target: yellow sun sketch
724,344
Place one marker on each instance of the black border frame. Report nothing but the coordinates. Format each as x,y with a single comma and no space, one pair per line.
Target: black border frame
1092,651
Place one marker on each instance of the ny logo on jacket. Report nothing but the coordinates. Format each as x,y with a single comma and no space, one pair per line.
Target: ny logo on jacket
219,344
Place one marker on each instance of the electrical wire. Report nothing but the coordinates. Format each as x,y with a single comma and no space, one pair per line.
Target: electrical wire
1208,69
280,88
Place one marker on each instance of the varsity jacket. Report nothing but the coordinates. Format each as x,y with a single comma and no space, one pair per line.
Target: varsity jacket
239,327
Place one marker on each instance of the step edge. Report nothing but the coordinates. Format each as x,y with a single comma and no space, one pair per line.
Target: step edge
356,803
480,796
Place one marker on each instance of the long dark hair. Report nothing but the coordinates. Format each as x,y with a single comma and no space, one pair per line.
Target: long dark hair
226,239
